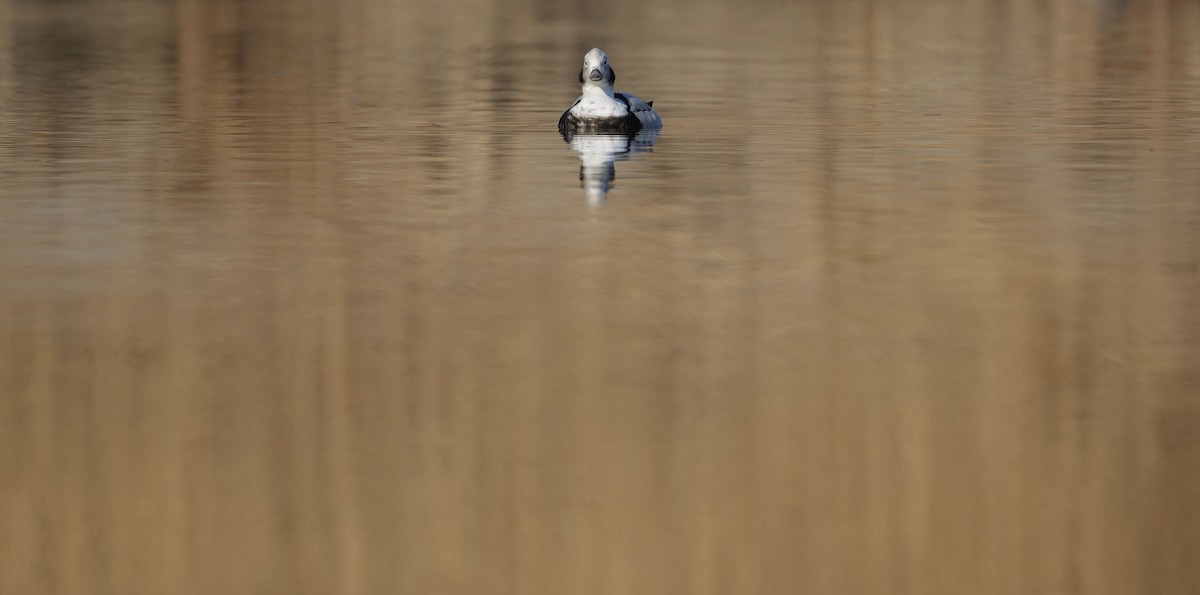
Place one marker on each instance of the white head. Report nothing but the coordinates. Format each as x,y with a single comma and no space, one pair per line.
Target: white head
596,71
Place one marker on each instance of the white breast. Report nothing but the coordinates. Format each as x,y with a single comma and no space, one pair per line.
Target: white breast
598,106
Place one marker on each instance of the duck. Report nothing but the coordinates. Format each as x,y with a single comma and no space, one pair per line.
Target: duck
602,110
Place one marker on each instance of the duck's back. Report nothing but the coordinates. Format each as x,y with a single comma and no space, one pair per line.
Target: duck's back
643,110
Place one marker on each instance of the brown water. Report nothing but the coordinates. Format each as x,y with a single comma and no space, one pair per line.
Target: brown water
309,297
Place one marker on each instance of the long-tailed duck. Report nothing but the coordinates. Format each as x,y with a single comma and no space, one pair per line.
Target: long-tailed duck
599,109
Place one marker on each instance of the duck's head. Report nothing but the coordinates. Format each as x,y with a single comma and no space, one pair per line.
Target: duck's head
596,70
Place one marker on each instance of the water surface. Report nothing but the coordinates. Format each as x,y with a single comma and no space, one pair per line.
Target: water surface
310,297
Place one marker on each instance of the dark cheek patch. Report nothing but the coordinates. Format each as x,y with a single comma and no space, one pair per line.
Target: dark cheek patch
581,77
612,76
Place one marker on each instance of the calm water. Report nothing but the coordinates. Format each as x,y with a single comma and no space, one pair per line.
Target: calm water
310,297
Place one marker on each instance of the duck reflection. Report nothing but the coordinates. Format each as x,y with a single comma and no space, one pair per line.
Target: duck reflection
599,151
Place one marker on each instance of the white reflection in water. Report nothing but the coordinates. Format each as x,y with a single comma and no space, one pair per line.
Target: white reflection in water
599,152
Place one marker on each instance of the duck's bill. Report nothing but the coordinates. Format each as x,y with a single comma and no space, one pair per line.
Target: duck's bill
595,75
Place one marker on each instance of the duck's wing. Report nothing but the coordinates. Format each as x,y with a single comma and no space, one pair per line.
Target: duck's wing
562,120
635,104
642,110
